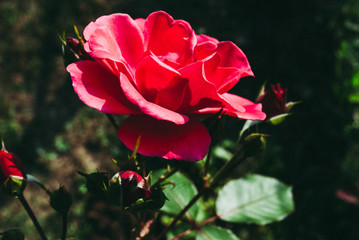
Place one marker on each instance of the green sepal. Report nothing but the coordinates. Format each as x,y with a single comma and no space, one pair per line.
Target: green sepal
278,119
14,186
114,192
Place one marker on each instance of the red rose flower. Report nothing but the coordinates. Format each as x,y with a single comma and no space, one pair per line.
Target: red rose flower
133,186
10,166
274,101
166,77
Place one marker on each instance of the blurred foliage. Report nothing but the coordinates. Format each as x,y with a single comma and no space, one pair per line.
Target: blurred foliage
309,46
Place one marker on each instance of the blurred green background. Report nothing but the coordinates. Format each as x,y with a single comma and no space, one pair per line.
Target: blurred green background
311,47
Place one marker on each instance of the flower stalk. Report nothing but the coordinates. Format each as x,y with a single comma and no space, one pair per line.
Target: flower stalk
64,226
32,216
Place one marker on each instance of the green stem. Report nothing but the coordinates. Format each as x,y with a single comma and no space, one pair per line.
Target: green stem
32,216
180,214
64,226
210,149
197,226
237,158
206,164
166,175
113,121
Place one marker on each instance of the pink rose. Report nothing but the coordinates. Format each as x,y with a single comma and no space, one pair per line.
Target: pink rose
166,77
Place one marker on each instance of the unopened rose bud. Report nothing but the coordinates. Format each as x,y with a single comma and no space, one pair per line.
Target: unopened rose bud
133,186
274,101
95,182
76,47
12,174
61,200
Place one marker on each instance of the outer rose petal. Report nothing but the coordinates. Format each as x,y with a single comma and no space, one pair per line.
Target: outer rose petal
204,38
187,142
253,111
227,66
10,165
117,34
201,93
141,23
173,40
237,106
99,88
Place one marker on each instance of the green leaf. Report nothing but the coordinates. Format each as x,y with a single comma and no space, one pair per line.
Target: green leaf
210,232
222,153
246,126
179,194
254,199
179,229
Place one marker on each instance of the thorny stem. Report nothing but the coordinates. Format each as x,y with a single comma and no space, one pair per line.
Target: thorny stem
197,226
180,214
32,216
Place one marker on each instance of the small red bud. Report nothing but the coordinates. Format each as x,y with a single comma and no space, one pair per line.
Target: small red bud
274,101
77,48
11,172
133,186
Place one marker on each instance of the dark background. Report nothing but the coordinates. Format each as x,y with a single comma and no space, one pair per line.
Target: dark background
310,47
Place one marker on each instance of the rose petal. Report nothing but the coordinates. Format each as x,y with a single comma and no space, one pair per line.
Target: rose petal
10,165
201,93
141,23
159,83
204,50
117,34
227,66
174,40
187,142
232,56
221,77
236,106
204,38
147,107
253,111
99,88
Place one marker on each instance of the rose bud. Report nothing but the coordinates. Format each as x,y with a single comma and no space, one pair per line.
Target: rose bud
273,101
76,48
11,172
133,186
61,200
96,182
